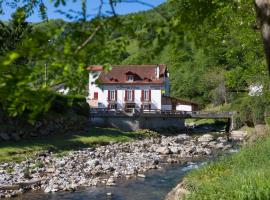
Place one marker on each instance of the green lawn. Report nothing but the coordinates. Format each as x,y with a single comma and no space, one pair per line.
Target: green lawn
17,151
244,175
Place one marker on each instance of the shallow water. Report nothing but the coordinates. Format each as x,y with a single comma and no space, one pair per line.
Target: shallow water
154,187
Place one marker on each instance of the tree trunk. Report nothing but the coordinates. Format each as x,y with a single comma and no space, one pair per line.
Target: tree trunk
263,17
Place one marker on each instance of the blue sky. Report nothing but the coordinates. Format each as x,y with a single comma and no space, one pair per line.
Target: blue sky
92,8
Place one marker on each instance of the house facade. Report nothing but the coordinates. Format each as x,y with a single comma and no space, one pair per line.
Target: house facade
129,87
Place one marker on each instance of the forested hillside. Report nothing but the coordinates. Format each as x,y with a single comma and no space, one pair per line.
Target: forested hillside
212,48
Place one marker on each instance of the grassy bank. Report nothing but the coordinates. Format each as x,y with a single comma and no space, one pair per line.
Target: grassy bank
244,175
16,151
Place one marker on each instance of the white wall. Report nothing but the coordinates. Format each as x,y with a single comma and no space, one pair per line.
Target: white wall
181,107
103,93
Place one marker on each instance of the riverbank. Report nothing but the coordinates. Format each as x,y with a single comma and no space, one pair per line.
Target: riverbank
103,165
61,143
244,175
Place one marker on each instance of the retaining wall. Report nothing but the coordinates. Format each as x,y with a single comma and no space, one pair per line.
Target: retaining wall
133,123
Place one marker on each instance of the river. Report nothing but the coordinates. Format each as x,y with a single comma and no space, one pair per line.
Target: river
154,187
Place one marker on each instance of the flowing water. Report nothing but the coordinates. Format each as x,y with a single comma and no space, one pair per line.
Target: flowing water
154,187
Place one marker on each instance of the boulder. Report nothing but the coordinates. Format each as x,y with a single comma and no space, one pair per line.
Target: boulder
205,138
4,136
181,138
110,182
175,150
238,135
141,176
163,150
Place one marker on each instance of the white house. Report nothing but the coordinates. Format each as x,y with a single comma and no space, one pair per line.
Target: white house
133,87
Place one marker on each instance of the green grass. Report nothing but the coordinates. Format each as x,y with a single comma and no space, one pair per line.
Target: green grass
244,175
17,151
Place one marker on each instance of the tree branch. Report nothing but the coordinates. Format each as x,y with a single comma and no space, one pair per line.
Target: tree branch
88,39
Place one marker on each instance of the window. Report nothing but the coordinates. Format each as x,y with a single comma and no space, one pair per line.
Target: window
130,78
146,95
95,95
129,95
111,95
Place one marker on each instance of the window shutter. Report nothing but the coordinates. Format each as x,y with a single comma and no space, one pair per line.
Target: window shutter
125,95
142,96
149,95
109,95
115,93
133,95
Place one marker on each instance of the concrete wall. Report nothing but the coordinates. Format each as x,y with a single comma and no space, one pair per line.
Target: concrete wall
135,123
166,107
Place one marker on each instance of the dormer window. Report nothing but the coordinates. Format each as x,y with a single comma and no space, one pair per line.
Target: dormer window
130,78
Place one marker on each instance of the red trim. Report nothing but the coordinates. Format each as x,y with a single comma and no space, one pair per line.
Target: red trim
126,95
149,95
95,95
133,95
115,95
109,95
142,95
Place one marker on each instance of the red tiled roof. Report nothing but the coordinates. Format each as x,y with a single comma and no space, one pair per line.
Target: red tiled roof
142,74
95,68
170,100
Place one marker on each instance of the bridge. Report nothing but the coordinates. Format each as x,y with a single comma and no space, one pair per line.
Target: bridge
161,114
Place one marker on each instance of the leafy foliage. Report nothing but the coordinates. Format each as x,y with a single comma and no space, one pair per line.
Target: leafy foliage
210,47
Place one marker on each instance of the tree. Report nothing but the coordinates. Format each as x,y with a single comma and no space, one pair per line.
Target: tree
263,15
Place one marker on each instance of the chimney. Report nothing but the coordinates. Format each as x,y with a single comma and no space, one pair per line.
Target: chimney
157,71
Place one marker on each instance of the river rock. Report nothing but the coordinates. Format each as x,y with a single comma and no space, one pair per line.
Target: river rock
87,167
181,138
206,138
111,182
163,150
175,150
238,135
141,175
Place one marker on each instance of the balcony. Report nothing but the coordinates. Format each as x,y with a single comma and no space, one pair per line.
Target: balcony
112,100
146,101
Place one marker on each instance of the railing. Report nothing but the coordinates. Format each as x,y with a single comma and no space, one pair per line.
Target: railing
156,112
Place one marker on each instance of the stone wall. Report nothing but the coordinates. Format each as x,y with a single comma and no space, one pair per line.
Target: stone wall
132,123
19,128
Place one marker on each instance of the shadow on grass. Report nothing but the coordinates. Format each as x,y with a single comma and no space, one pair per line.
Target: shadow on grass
63,142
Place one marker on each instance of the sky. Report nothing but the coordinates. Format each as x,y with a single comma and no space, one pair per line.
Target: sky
92,9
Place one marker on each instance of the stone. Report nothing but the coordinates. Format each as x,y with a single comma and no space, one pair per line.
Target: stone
205,138
220,146
175,150
109,194
222,139
50,170
238,135
110,182
93,163
163,150
4,136
141,175
181,138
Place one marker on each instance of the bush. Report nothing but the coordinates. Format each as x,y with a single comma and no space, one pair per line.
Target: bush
252,109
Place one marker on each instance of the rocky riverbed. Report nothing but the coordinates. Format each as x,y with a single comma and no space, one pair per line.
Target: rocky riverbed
104,164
